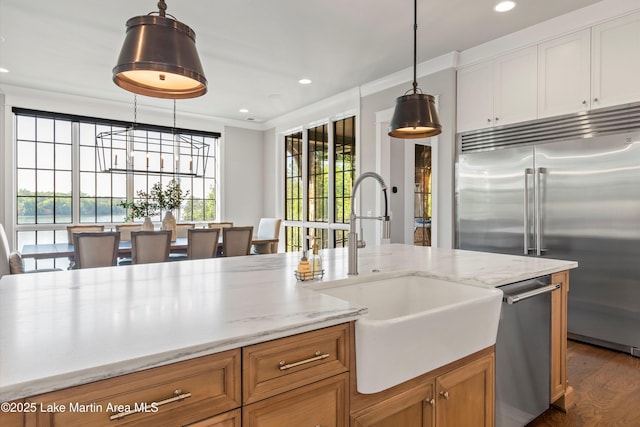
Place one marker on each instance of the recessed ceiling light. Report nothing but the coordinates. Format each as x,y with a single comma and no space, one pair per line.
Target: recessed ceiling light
304,81
504,6
3,70
243,110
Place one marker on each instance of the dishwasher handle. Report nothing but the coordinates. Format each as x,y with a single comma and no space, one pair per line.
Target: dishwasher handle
512,299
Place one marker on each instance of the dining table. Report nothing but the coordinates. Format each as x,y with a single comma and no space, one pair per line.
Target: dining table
62,250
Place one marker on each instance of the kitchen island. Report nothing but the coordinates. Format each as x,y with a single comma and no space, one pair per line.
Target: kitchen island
64,329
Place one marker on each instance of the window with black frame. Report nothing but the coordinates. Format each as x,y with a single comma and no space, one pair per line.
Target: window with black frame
61,178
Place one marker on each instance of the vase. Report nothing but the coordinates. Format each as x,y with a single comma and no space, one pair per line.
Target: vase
169,223
147,225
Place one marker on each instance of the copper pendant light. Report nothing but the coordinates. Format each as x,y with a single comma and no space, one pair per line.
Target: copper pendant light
159,58
415,115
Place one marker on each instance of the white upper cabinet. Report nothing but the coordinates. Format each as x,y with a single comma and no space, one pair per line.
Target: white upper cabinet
616,62
475,97
593,68
563,74
498,92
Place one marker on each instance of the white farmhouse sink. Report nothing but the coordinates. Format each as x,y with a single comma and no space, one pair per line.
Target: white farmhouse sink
416,324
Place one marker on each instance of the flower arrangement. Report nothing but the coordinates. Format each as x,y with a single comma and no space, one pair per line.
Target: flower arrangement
144,207
171,198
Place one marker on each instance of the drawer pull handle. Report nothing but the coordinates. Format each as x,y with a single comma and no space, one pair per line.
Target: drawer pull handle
317,356
178,395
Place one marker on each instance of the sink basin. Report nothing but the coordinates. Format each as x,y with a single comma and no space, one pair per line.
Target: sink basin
416,324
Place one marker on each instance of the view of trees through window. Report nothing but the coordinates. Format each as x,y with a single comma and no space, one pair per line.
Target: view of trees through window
312,202
60,182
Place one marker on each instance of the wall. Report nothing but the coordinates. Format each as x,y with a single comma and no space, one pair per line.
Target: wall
441,84
242,171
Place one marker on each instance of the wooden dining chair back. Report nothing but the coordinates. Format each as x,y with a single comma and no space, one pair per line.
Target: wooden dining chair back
150,246
202,243
236,241
81,228
126,229
96,249
268,229
220,225
183,229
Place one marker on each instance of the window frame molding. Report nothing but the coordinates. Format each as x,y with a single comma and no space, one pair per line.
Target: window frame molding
11,179
305,224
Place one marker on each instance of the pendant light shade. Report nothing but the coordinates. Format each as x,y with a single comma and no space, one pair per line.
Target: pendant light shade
415,115
159,58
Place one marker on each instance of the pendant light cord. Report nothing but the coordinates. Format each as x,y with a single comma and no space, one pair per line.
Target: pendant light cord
415,45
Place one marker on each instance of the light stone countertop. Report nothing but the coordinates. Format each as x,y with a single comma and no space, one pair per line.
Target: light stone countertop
68,328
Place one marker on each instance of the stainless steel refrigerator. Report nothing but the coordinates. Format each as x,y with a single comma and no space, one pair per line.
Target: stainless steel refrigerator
565,188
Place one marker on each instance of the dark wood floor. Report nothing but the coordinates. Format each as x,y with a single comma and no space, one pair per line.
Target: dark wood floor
606,387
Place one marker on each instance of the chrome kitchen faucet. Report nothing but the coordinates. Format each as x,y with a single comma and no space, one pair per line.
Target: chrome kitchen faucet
353,241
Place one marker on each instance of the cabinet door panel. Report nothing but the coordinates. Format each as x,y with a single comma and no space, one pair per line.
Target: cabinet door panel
319,404
465,396
515,87
563,74
228,419
475,97
616,61
412,408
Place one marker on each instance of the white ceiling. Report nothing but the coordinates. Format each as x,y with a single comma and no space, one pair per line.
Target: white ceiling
253,51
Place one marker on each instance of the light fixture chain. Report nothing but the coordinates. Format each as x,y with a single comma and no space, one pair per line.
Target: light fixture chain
174,115
135,109
415,45
162,7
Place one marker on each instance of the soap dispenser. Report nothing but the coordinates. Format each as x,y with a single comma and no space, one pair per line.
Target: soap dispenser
304,268
315,260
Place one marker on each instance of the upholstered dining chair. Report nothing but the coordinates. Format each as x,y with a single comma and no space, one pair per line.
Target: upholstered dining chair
96,249
268,228
150,246
220,225
126,229
182,230
81,228
11,261
202,243
236,241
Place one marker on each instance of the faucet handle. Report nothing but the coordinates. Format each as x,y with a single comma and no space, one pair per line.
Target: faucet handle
361,244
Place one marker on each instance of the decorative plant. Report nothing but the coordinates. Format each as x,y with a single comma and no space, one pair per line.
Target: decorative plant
171,198
144,207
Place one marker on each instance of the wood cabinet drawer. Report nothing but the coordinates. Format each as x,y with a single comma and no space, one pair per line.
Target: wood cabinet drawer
172,395
277,366
323,403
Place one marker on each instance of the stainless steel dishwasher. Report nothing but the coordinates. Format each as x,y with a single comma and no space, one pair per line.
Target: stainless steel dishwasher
523,352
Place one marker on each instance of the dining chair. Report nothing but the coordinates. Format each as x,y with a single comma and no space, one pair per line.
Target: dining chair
11,261
71,229
220,225
202,243
150,246
126,229
182,230
268,229
81,228
98,249
236,241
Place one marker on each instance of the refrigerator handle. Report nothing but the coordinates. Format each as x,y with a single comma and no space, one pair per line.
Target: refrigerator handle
527,208
537,201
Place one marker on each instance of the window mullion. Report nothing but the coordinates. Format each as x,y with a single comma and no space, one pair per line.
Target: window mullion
331,202
75,172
